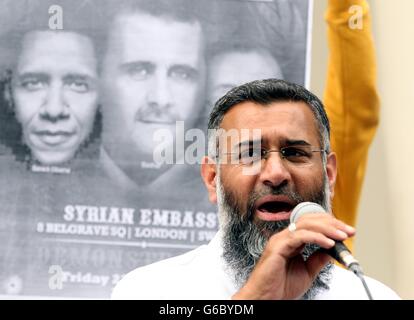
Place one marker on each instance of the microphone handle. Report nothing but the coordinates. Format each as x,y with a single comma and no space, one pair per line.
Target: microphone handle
341,254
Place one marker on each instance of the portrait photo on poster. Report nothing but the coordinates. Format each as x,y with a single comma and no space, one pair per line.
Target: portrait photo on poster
103,124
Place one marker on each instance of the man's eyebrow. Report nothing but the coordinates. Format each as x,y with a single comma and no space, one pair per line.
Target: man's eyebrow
249,143
258,142
42,76
289,142
192,70
127,66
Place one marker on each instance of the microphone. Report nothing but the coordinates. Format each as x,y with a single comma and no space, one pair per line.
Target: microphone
339,251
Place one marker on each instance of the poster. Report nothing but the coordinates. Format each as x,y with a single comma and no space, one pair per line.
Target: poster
103,115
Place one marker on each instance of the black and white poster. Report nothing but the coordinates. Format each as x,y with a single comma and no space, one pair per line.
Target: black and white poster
103,115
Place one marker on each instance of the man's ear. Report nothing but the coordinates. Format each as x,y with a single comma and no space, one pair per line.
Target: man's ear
208,173
331,171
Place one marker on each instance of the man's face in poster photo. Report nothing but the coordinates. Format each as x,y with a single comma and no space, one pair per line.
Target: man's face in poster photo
54,90
153,75
232,68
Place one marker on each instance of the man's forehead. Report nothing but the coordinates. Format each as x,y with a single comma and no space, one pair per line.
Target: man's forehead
233,68
64,52
238,67
61,41
142,32
125,18
290,120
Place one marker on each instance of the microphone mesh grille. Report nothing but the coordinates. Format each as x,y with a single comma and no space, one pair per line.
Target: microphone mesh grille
303,208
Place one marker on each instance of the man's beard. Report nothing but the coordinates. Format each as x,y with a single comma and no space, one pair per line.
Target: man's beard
244,240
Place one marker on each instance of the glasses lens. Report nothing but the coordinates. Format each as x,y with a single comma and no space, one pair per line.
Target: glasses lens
297,154
250,155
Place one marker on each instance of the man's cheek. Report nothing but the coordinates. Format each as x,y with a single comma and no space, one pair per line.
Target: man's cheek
308,191
85,105
239,197
187,96
24,114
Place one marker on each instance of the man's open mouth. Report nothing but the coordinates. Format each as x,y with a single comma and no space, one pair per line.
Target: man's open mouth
275,207
272,208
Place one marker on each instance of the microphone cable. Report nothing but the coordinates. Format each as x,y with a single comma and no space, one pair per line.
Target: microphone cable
356,269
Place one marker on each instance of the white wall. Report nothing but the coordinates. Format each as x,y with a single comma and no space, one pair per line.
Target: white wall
386,216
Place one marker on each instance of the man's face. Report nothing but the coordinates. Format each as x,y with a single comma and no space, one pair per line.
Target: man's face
282,124
153,76
233,68
55,94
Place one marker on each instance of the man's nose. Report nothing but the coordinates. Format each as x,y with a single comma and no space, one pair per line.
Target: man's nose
274,171
55,106
159,94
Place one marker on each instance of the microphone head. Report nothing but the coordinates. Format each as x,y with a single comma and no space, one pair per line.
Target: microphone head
304,208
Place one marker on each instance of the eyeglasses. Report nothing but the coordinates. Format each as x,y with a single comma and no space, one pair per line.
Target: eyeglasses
296,155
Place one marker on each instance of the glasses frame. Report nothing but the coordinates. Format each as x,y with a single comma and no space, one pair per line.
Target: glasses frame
280,151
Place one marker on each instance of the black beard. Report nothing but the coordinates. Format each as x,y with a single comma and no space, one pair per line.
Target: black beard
244,240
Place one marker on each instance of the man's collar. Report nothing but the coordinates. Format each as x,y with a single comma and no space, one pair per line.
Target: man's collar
215,247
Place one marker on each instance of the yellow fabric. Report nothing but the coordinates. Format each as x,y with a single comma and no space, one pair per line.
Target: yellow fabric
351,102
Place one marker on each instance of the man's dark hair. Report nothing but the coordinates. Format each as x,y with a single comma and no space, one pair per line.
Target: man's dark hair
265,92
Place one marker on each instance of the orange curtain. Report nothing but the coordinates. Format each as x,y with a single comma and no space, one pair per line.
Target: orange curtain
351,99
